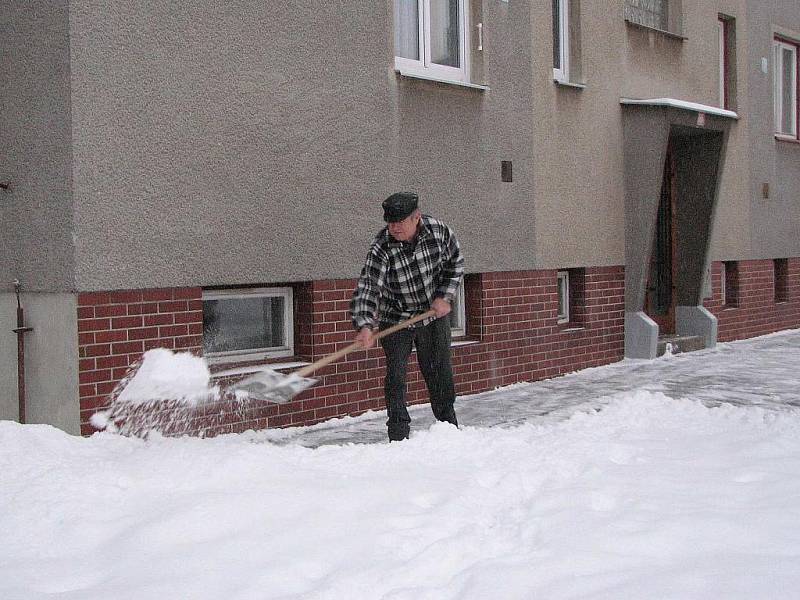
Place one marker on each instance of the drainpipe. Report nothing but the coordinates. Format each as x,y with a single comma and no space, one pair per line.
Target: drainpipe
20,330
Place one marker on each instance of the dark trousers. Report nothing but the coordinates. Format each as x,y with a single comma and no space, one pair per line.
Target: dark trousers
433,355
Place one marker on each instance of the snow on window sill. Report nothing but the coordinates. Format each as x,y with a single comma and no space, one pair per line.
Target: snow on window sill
235,372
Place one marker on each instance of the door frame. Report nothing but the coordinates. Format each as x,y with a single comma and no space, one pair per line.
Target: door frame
665,321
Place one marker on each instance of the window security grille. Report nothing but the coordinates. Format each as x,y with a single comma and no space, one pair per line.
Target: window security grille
650,13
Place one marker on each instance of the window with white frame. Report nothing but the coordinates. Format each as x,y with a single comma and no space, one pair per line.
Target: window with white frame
429,38
726,28
785,75
722,34
247,324
563,296
561,40
458,313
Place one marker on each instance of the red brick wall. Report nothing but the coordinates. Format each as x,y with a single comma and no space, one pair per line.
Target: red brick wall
116,328
757,312
512,318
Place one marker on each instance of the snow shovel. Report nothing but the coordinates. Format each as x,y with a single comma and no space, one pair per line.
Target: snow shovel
271,386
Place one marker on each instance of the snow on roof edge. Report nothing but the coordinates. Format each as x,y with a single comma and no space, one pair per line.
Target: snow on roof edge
682,104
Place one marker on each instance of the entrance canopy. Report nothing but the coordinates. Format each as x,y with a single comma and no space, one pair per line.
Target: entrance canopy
681,104
695,135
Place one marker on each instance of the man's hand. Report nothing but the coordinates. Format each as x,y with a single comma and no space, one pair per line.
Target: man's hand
442,307
365,336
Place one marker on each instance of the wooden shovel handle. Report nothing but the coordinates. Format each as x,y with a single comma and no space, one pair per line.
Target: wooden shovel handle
308,369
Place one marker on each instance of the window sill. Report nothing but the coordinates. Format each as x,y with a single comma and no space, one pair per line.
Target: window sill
247,370
664,32
570,328
569,84
786,138
424,77
255,357
463,342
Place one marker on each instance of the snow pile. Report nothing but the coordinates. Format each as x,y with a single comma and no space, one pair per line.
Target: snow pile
166,375
162,394
649,497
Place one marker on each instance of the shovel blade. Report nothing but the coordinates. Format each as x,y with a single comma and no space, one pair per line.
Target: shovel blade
270,386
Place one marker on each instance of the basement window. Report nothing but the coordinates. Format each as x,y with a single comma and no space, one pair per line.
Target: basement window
247,324
571,288
730,284
563,297
458,327
781,269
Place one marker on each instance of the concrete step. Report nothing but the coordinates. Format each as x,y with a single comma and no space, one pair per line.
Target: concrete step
679,343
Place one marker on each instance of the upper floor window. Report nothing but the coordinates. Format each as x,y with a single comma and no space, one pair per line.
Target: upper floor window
727,62
247,324
785,77
650,13
561,40
429,37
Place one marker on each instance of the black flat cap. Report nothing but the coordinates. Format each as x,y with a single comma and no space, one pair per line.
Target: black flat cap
399,206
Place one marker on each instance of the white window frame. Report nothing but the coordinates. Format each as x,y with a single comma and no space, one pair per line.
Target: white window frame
563,293
778,46
460,312
723,286
723,63
425,67
253,354
561,74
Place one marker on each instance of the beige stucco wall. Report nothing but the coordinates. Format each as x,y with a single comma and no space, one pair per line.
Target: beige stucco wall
578,133
775,221
36,242
250,142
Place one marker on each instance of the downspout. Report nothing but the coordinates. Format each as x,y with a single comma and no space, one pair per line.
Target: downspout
20,330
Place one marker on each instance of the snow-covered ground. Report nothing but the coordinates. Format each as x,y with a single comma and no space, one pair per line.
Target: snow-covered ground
675,478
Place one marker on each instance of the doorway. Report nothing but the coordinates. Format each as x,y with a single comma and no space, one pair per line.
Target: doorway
660,298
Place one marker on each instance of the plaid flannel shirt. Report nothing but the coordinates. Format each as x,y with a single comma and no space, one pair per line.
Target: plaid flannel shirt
402,279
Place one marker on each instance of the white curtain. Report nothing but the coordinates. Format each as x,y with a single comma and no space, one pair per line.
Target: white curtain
406,28
445,32
789,87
